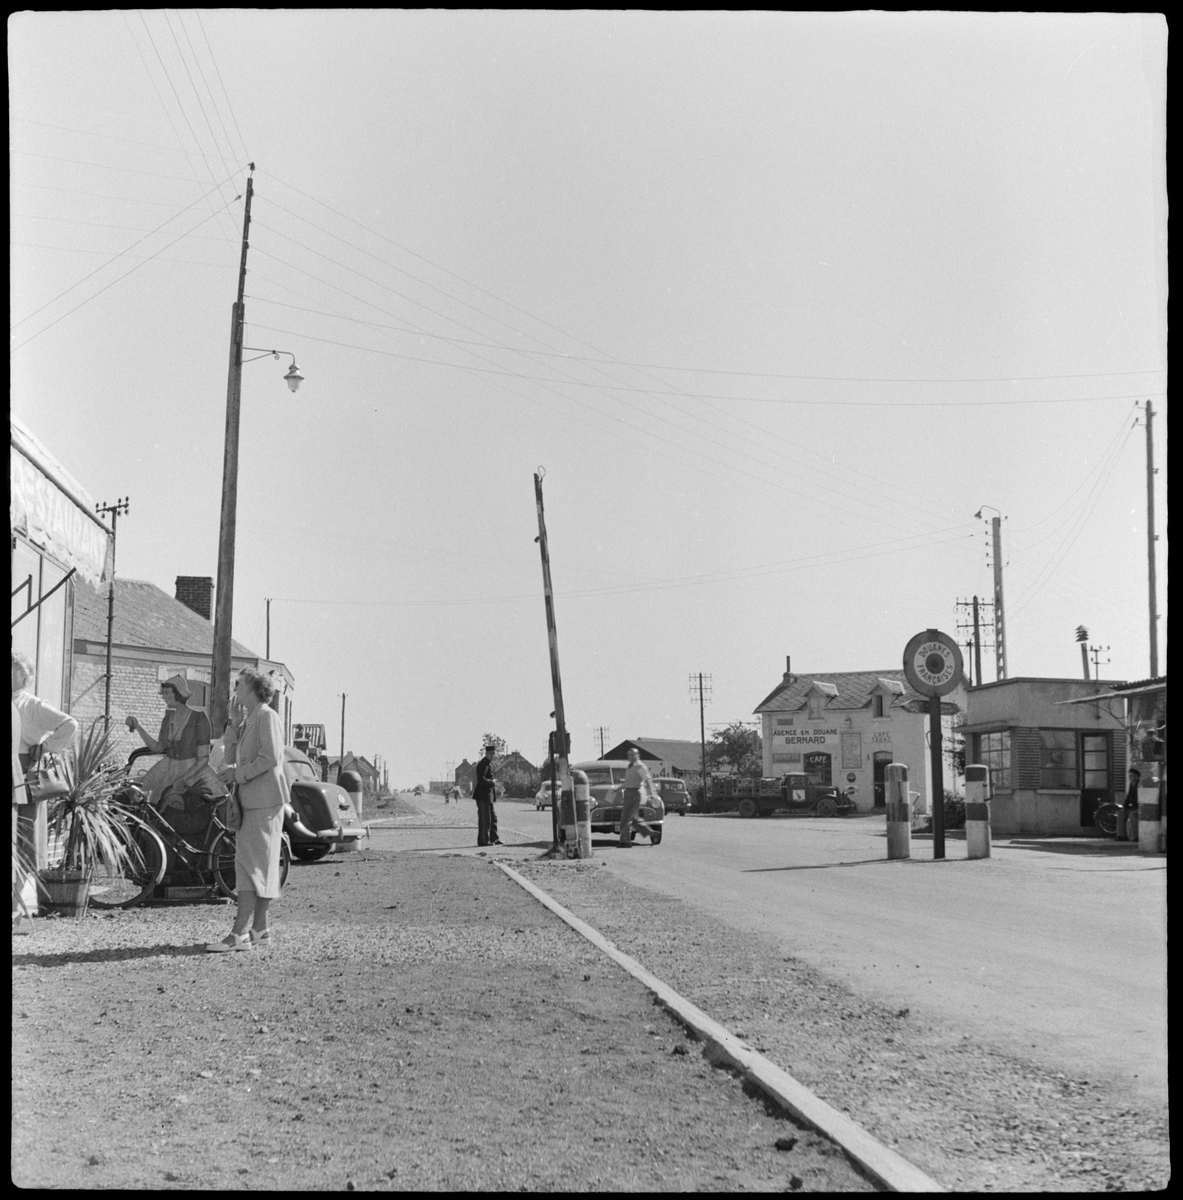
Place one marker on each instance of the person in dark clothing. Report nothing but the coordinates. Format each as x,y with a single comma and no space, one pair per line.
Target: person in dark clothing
485,795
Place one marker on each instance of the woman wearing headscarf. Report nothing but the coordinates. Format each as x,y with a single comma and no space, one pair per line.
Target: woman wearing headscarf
184,741
254,763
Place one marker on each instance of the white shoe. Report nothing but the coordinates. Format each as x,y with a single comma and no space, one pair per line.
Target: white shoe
261,941
232,941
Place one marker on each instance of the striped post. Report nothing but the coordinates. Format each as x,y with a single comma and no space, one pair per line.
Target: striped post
582,809
899,819
1149,818
977,811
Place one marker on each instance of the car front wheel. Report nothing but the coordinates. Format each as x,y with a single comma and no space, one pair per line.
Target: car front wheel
826,807
655,838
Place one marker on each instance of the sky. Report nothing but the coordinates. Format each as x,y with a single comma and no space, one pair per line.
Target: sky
776,302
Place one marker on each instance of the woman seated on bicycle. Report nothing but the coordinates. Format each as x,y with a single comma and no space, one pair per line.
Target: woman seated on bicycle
184,741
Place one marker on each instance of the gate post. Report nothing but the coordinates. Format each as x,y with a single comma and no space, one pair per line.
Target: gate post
1149,818
977,811
899,819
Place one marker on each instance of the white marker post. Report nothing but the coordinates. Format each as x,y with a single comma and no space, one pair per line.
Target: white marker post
1149,818
899,817
977,811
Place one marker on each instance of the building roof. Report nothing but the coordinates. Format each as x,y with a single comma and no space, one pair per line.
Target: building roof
847,689
686,756
146,617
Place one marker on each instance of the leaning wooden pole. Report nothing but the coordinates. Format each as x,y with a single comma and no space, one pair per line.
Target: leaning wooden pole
562,749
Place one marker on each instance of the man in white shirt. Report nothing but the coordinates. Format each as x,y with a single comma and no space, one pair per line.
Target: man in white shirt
636,778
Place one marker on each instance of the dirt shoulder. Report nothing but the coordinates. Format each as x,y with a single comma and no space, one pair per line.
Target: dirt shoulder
970,1116
422,1023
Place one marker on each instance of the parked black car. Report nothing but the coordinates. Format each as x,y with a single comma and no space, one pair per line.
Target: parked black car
321,815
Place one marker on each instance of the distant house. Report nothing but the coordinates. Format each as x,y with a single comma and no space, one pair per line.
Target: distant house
844,727
663,756
465,774
1056,749
356,762
154,636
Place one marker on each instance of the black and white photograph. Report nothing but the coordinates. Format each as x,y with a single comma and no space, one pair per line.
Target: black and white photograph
449,448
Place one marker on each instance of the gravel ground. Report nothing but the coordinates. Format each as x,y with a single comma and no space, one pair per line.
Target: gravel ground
973,1118
422,1023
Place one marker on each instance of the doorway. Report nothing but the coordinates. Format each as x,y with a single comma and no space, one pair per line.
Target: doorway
1094,775
880,761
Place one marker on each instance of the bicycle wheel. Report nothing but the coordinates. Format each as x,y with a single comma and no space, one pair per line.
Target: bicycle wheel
1105,819
122,884
222,864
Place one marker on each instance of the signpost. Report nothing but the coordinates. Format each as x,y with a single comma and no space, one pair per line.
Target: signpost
933,666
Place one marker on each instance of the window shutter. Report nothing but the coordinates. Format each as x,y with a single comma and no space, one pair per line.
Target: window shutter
1025,758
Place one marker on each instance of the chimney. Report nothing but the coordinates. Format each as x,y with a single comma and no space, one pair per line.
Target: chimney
196,592
788,670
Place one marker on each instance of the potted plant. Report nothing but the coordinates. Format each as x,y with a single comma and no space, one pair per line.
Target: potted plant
87,825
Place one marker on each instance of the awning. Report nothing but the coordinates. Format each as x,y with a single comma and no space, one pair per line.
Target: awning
1158,686
49,507
988,726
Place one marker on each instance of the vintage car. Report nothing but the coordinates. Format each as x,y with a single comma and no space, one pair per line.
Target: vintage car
605,785
321,816
674,794
546,796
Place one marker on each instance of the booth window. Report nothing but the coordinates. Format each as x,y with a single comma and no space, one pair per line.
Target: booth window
1057,758
41,633
994,752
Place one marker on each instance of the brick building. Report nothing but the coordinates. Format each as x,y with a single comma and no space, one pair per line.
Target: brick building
154,636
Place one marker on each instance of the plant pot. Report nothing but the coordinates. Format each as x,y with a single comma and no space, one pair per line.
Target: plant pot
68,892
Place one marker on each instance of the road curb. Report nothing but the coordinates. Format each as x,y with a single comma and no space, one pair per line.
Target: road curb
883,1165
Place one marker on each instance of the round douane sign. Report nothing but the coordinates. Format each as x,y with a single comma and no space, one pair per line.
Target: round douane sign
932,663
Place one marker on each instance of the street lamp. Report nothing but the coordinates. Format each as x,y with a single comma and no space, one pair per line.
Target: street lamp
224,604
293,378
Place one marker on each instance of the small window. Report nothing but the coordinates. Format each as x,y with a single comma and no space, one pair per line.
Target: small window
877,706
815,708
994,752
1057,758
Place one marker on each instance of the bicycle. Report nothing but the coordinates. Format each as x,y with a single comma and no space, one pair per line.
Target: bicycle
158,848
1106,817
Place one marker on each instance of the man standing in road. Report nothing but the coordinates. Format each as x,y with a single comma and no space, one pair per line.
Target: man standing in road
485,795
636,777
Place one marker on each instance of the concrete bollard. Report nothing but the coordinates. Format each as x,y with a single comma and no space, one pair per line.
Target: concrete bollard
977,811
1149,818
899,818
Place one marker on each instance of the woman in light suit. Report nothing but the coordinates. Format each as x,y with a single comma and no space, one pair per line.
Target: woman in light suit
254,762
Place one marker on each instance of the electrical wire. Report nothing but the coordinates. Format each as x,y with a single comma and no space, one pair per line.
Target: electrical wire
115,257
120,279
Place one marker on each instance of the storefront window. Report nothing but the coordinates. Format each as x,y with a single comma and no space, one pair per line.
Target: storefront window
817,767
1057,758
41,634
994,752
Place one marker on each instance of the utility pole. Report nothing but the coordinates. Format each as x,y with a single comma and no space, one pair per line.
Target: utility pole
1096,652
562,748
224,602
699,690
113,511
977,645
600,733
1151,539
999,611
974,642
268,651
341,762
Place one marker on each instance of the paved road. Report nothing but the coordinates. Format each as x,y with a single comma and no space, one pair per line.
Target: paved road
1052,949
